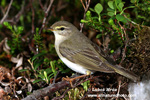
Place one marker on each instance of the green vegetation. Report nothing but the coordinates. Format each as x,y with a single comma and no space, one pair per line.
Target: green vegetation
116,24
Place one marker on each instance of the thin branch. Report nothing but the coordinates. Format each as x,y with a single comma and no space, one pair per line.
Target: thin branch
86,7
41,4
33,15
56,76
15,19
44,20
46,14
6,12
126,43
118,90
50,90
83,4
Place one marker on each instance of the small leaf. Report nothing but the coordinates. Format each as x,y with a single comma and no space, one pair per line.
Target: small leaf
110,21
126,8
92,9
110,13
15,28
41,76
5,23
83,21
37,63
142,17
110,10
98,8
1,26
98,36
36,81
8,25
88,15
86,85
117,2
48,70
20,28
53,67
134,1
23,70
110,4
121,18
112,51
148,8
38,55
50,76
37,30
3,3
76,91
45,74
120,6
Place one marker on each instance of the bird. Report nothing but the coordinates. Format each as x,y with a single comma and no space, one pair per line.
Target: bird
82,55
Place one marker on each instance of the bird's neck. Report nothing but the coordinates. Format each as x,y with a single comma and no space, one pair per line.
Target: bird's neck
58,40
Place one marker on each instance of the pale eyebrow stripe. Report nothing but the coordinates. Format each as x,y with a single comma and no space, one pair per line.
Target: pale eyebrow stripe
58,27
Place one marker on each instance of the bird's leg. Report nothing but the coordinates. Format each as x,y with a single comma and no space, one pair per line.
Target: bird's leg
78,77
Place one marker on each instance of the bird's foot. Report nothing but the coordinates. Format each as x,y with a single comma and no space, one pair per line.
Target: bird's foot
72,79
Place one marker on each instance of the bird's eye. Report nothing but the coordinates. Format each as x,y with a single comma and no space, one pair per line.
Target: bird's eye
62,28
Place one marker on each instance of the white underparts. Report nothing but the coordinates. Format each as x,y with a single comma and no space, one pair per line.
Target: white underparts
75,67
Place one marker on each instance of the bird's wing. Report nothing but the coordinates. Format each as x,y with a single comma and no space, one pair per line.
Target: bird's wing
99,50
86,56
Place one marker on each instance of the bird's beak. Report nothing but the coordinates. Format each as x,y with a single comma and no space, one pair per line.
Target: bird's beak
51,29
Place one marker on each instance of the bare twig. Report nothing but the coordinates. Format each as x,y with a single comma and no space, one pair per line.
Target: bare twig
41,4
15,19
56,76
86,6
2,43
118,90
6,12
44,20
31,48
33,15
126,43
83,4
17,16
81,82
46,14
50,90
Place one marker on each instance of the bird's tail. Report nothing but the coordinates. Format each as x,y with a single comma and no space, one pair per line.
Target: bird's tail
122,71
